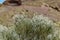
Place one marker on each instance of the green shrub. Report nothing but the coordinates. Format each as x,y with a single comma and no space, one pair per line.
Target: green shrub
36,28
8,33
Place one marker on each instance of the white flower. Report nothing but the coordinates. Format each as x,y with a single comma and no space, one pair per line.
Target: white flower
3,28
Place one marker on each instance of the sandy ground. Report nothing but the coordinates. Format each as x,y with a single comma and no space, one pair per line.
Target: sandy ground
7,11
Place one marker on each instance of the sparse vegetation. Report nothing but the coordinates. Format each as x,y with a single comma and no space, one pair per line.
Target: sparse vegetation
36,28
26,22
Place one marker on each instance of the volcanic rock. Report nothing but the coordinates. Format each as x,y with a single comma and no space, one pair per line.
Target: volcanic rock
12,2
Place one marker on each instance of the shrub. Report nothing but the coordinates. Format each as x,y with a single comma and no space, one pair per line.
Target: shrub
36,28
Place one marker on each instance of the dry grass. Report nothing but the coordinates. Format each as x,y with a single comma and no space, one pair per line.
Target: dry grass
7,13
53,3
29,26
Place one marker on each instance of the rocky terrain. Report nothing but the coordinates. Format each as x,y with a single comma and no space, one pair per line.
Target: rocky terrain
38,7
30,20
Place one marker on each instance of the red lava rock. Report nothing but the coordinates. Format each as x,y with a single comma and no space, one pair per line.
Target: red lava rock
12,2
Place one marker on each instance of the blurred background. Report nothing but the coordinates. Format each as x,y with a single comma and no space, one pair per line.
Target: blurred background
1,1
